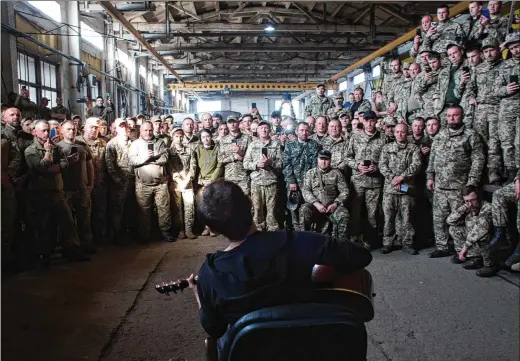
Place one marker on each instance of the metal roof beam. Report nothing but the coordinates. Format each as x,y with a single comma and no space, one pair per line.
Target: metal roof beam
118,15
260,48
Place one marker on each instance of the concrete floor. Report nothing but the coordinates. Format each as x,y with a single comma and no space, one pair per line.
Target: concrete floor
108,309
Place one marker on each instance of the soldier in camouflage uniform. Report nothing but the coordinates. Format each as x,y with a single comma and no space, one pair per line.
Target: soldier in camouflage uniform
264,159
333,112
78,178
361,104
456,160
232,150
181,186
507,87
320,129
427,84
487,104
390,82
399,93
157,123
399,163
190,138
122,193
478,27
470,227
336,143
418,41
503,199
499,23
148,157
299,156
363,153
99,192
451,86
446,31
9,206
325,192
320,103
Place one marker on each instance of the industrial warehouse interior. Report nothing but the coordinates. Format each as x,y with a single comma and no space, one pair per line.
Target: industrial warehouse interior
260,180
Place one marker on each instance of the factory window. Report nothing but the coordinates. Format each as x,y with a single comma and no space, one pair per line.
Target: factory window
358,79
343,86
209,106
39,77
92,36
376,71
286,109
50,8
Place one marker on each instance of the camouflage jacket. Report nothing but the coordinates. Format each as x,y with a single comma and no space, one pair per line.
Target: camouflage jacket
509,67
267,175
365,106
482,80
338,149
399,94
165,138
319,140
332,113
422,46
447,75
181,165
364,147
14,167
190,142
98,149
318,106
456,159
400,160
388,84
233,169
41,179
325,186
446,32
298,158
116,158
426,89
497,27
479,225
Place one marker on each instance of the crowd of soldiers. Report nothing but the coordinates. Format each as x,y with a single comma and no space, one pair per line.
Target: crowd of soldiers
402,170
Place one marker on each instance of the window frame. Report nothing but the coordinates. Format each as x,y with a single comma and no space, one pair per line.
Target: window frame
38,85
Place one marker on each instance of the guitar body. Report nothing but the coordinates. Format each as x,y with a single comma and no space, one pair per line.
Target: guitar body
354,289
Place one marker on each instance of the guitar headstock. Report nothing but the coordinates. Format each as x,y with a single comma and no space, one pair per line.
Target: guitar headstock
174,286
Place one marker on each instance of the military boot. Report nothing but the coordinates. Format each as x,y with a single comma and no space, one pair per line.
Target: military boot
515,257
487,271
497,237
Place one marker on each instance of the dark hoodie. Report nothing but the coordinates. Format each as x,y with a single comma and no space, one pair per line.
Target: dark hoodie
268,268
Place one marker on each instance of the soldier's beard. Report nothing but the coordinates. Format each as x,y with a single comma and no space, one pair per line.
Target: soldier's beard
455,126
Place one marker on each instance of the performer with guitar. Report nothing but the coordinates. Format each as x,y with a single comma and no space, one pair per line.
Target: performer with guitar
258,269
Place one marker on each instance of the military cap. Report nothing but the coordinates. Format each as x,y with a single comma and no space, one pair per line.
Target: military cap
92,121
490,42
156,118
140,116
511,38
177,129
276,114
369,115
320,85
232,119
74,116
453,43
264,122
169,116
390,121
324,154
102,122
339,96
343,113
406,65
424,49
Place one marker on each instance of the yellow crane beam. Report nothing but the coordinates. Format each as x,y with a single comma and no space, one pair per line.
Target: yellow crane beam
232,86
454,10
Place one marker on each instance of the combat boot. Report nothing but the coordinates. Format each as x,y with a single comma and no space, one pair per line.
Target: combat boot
455,259
515,257
473,263
410,250
386,249
497,237
487,271
167,237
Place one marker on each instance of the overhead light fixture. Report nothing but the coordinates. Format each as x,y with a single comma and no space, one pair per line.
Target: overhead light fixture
269,26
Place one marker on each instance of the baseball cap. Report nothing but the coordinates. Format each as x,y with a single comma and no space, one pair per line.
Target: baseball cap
369,115
102,122
156,119
406,65
511,38
324,154
264,122
320,85
276,114
490,42
232,119
339,96
452,43
177,129
92,121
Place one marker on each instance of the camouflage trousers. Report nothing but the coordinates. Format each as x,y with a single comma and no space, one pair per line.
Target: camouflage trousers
486,124
79,204
339,219
122,205
394,204
508,113
244,184
444,202
98,197
182,209
459,235
264,200
45,210
368,198
146,196
9,211
503,200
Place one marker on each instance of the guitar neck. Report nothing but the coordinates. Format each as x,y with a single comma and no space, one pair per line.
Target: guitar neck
167,287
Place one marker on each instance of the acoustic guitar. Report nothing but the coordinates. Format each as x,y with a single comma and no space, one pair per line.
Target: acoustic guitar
354,289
